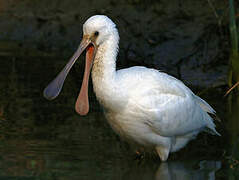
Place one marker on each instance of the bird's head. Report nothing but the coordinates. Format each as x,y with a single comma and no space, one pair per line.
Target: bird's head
96,30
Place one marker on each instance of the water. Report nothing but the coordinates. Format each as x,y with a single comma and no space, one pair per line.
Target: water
48,140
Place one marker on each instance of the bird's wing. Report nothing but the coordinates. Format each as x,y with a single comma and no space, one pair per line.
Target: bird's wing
165,104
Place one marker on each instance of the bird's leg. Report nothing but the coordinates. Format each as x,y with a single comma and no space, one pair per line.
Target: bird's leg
163,152
139,154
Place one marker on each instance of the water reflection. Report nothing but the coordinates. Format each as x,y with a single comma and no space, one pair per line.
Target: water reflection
179,171
53,160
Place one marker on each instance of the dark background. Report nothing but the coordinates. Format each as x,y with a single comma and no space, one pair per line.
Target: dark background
188,39
41,139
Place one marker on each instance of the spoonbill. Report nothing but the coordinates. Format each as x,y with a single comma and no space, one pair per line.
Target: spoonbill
146,106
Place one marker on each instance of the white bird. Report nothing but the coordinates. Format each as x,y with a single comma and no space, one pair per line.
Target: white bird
146,106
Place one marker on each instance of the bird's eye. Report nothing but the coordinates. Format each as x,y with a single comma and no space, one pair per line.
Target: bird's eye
96,33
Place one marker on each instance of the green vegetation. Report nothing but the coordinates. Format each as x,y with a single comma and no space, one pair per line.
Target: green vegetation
234,56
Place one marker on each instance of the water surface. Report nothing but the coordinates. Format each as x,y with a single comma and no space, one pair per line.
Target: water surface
42,139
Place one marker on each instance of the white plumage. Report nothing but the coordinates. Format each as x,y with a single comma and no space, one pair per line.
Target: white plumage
142,104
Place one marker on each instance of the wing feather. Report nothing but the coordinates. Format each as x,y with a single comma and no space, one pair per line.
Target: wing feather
165,104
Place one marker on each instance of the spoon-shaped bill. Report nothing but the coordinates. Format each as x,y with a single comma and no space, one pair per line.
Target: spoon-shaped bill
82,102
54,88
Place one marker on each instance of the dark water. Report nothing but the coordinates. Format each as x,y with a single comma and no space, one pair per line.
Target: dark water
48,140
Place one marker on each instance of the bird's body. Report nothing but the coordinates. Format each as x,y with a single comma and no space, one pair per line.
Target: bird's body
144,105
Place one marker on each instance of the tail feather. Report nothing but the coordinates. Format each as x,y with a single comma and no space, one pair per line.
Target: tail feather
205,106
214,117
209,116
210,128
212,131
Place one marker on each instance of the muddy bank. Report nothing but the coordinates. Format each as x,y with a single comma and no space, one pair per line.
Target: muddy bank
184,38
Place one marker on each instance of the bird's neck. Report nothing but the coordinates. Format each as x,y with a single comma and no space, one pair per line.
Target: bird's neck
104,69
105,59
